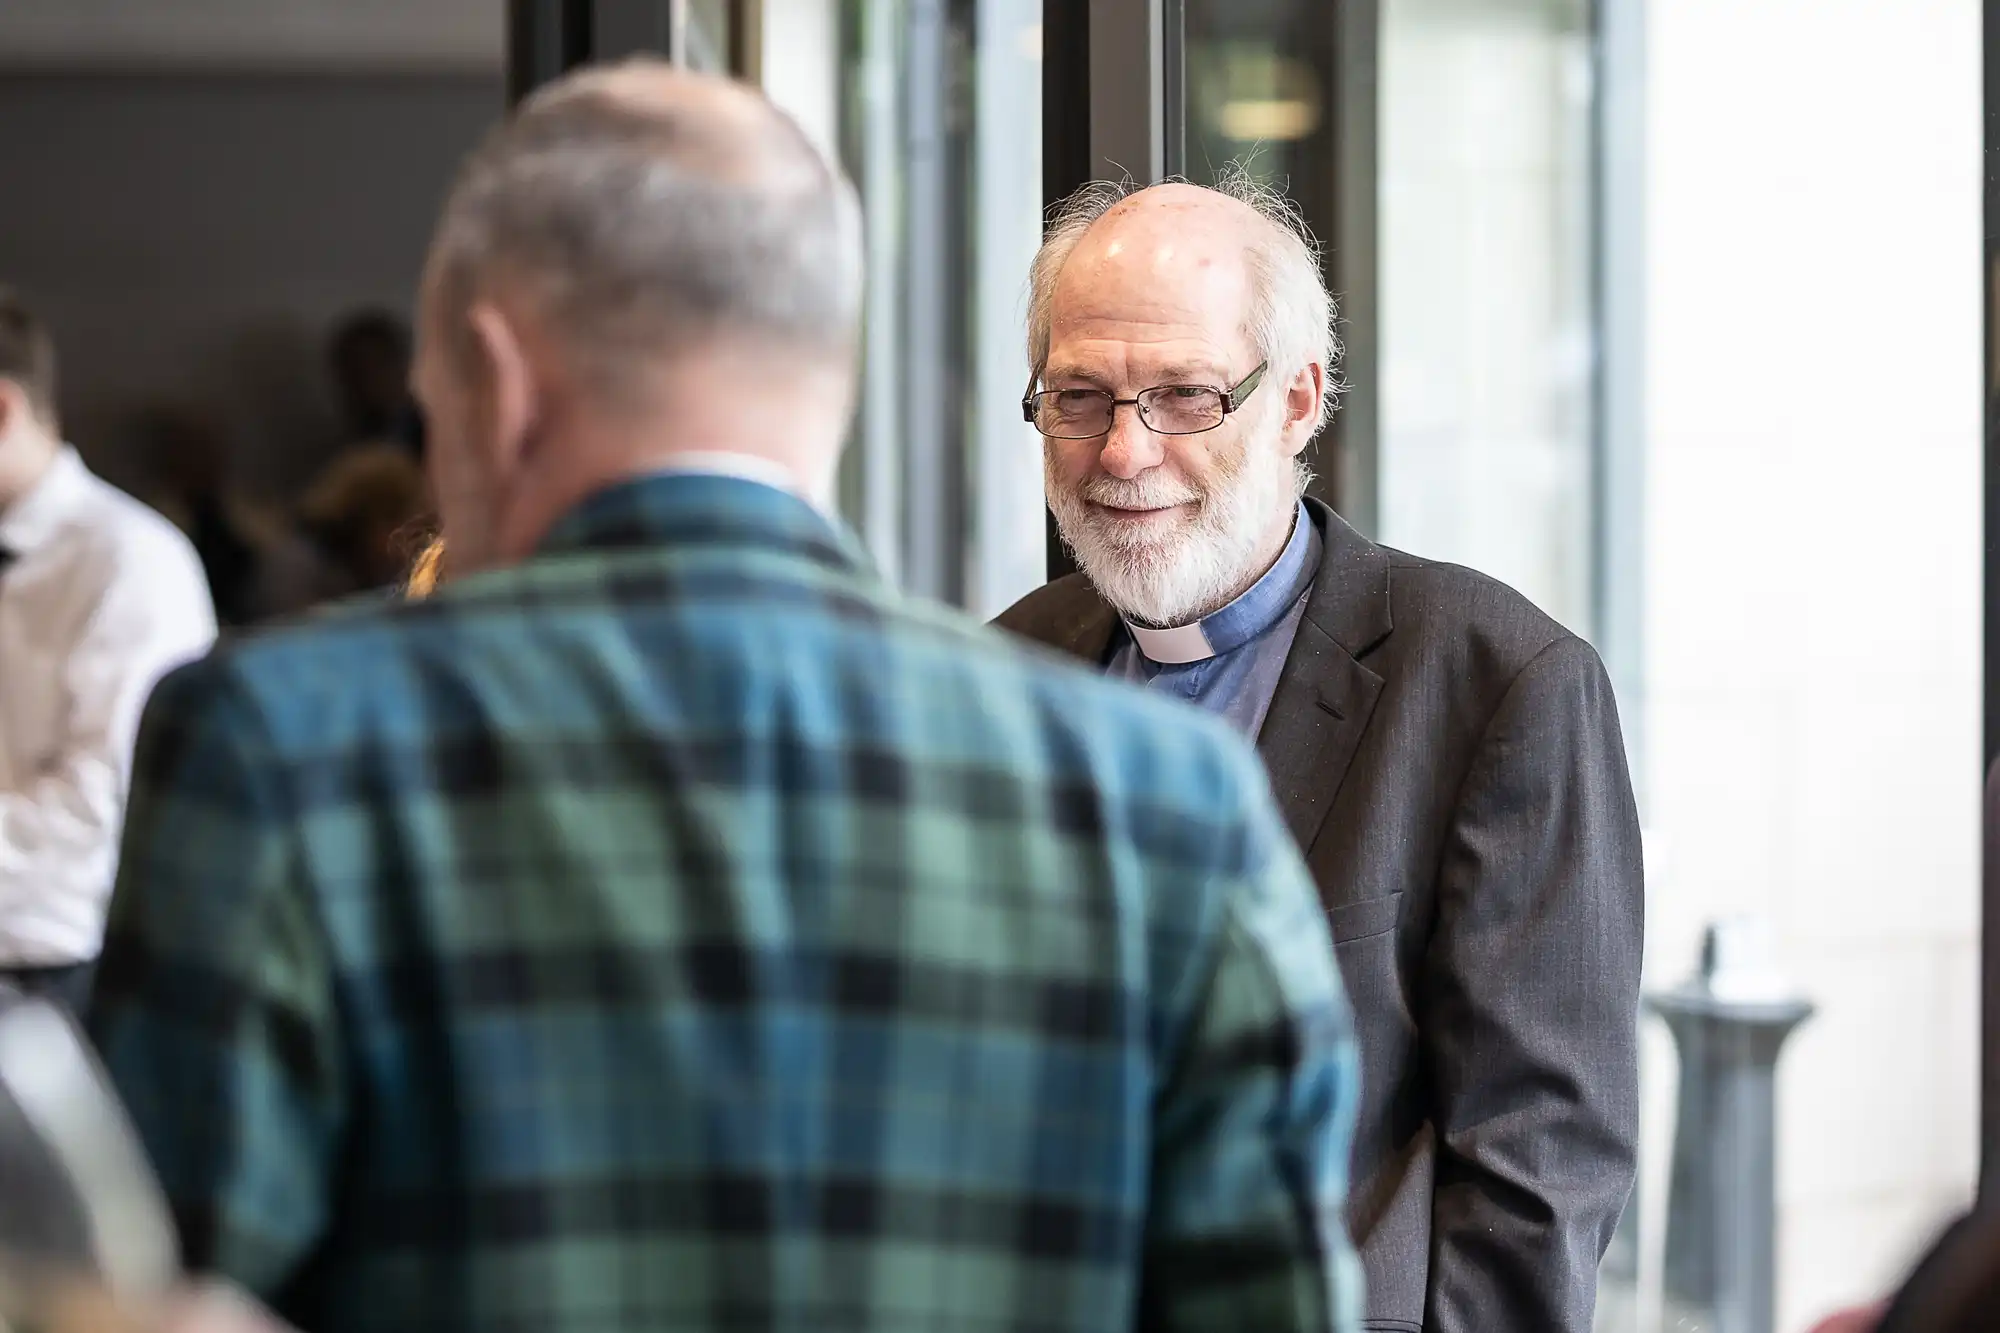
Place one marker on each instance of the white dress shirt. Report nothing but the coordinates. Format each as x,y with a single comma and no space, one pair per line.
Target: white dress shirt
101,598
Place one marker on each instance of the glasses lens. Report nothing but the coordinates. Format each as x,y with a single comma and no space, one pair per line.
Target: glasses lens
1073,414
1181,409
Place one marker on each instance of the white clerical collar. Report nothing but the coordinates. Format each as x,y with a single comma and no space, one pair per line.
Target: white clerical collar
1174,645
1259,607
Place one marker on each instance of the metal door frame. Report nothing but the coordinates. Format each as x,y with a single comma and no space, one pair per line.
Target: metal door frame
1989,946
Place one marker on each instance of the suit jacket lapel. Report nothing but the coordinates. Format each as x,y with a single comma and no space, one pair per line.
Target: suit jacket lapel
1069,616
1089,635
1325,695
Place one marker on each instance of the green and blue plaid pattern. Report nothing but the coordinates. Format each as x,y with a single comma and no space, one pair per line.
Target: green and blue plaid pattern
683,931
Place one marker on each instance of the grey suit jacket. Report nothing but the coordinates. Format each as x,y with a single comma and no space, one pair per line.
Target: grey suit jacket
1449,759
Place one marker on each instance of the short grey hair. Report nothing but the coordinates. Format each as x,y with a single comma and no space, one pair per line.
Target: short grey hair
1291,312
634,228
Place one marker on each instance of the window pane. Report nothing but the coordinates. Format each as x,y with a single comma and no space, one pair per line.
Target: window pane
1485,251
708,35
1257,87
1008,555
941,113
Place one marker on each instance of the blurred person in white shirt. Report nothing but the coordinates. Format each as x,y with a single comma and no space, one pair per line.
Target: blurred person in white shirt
99,597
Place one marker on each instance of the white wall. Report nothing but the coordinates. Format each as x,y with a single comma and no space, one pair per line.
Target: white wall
1813,588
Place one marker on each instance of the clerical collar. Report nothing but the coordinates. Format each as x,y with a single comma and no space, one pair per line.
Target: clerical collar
1260,606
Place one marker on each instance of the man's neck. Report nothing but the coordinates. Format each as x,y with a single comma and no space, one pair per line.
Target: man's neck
600,463
723,400
747,466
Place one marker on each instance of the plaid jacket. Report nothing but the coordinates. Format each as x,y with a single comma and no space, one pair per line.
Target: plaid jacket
683,931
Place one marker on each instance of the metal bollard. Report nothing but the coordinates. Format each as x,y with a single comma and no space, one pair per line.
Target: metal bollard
1729,1022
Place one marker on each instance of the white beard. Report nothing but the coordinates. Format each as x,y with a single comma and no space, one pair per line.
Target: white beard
1175,573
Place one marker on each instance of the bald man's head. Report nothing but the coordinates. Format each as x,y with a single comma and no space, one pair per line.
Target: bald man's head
1151,240
641,262
635,209
1182,344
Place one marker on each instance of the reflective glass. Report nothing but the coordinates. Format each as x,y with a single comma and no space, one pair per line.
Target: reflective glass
709,34
1485,251
941,129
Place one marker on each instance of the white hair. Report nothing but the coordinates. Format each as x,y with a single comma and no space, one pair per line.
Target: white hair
1291,312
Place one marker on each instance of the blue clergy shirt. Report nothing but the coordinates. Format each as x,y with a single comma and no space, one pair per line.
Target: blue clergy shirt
1229,661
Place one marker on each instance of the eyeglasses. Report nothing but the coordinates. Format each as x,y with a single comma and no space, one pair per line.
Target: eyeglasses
1168,409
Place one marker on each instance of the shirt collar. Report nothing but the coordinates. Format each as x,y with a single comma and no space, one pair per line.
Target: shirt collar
694,506
1259,607
744,467
42,512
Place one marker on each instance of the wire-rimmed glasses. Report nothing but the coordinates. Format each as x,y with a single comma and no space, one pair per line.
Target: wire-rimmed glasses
1166,409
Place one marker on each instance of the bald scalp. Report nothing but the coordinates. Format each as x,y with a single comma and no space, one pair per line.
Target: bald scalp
1180,200
1175,251
634,210
712,126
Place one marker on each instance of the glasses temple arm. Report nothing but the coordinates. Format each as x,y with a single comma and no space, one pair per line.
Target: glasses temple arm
1028,396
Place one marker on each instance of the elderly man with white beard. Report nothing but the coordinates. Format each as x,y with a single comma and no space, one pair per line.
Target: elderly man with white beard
1448,757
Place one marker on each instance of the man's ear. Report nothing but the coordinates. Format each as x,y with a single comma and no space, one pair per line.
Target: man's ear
1303,397
504,385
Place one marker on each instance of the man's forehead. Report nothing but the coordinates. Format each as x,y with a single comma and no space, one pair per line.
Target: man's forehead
1177,261
1198,310
1186,219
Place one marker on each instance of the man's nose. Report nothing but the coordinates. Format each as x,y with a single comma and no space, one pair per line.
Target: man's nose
1129,447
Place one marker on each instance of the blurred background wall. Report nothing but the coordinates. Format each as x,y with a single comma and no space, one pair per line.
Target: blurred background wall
197,191
194,237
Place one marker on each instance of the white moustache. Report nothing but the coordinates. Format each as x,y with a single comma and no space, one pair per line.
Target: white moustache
1134,495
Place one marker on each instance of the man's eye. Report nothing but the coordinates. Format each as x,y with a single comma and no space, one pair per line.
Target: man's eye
1074,397
1187,391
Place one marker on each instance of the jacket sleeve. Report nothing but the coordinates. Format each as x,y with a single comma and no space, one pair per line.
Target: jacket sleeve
213,1006
1530,1008
1254,1124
